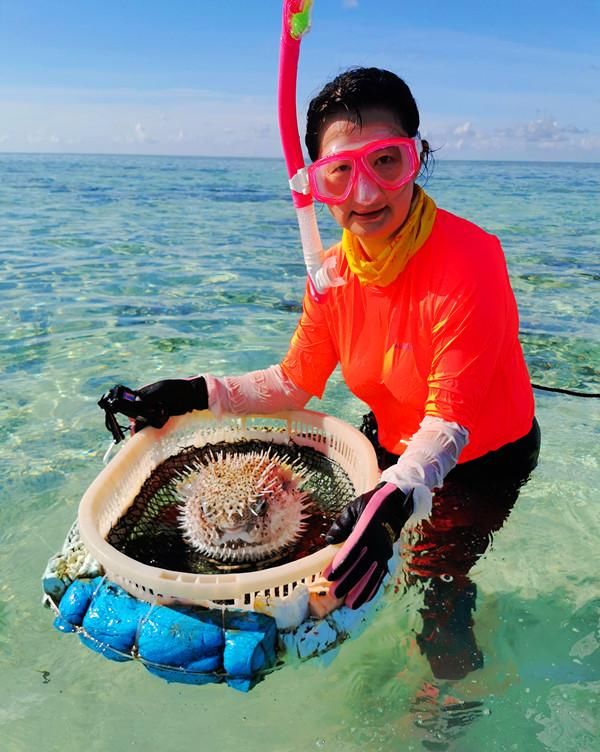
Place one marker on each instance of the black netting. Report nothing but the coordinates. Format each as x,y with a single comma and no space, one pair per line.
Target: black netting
149,530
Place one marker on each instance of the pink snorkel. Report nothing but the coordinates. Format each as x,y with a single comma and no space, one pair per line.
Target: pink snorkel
296,22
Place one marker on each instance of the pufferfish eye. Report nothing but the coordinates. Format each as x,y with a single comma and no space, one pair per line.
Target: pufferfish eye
259,507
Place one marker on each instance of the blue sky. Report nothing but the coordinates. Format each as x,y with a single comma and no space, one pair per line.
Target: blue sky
509,80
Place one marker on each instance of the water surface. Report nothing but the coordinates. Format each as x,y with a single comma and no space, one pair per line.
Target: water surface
117,269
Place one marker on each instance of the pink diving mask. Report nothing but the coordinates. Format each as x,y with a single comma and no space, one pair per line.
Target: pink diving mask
390,162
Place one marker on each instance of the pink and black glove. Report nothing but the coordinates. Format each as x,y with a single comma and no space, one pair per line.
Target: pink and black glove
370,524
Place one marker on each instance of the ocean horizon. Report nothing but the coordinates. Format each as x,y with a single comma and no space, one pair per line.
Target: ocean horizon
278,158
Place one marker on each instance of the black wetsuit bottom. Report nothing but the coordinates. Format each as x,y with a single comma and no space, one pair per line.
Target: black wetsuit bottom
476,499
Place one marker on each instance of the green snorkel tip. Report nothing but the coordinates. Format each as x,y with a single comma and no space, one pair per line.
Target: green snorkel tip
300,22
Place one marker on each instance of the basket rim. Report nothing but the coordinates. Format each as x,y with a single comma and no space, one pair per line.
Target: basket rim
159,582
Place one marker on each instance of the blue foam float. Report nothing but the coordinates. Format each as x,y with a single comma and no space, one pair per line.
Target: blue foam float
179,644
195,645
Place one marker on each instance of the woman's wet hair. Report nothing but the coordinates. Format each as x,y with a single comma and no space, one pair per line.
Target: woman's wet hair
357,90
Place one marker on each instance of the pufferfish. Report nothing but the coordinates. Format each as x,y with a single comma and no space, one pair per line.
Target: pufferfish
241,508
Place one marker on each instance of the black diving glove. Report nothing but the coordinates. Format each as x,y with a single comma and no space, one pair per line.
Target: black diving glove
154,404
175,396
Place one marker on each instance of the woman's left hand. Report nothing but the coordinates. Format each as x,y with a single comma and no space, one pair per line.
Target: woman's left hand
370,524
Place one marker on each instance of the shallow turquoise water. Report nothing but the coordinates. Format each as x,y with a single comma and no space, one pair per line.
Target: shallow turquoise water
130,269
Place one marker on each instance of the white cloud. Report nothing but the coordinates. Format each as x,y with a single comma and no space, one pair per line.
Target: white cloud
464,129
540,138
140,133
162,122
350,3
247,126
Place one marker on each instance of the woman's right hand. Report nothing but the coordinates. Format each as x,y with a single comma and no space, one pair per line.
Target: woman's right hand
176,396
155,403
169,397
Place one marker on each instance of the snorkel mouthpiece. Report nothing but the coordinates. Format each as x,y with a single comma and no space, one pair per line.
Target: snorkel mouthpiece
296,22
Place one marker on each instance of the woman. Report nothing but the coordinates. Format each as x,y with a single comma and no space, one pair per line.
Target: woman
425,328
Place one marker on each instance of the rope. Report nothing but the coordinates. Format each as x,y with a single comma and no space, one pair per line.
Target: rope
571,392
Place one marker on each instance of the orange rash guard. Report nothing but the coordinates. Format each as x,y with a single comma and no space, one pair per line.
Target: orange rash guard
441,340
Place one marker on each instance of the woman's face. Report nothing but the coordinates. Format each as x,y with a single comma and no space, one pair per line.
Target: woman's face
370,212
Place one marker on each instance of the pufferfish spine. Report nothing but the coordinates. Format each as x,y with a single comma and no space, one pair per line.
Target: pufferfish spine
242,507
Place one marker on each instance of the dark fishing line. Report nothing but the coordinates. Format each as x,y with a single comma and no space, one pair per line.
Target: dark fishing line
570,392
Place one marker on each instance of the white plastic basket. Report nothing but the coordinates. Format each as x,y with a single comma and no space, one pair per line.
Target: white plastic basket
114,490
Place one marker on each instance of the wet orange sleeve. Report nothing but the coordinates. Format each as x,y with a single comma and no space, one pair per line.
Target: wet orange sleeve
312,354
471,323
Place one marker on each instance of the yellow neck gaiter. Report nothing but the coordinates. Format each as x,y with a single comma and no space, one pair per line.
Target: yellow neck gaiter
383,269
